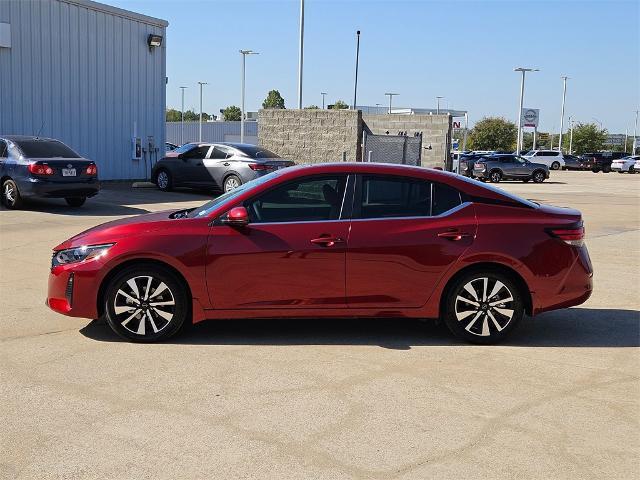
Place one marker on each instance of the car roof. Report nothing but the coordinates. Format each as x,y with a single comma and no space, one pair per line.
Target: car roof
19,138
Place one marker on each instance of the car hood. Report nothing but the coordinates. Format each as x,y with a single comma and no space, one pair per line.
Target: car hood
112,231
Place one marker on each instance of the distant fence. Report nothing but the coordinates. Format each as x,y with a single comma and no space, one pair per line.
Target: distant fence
211,132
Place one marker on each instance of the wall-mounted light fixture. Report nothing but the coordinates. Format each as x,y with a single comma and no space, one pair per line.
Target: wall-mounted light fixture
154,41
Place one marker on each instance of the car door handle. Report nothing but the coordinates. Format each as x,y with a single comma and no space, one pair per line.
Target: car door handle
226,164
453,235
327,241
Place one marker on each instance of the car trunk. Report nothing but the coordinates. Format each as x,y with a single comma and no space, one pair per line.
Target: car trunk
66,169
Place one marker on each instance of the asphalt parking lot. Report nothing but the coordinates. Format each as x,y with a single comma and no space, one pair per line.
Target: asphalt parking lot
325,399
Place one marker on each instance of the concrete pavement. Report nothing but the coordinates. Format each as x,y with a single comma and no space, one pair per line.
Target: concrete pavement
323,399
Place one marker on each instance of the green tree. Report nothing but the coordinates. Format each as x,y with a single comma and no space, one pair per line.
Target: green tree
172,115
312,107
273,100
191,116
232,114
494,133
339,105
587,137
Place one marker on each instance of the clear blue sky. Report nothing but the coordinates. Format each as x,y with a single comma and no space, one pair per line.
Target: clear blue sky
464,51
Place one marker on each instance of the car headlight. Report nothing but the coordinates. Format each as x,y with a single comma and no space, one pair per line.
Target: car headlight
78,254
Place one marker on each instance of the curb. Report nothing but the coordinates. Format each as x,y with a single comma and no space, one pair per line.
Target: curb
143,185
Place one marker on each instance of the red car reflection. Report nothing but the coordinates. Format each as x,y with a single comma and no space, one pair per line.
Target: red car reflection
332,240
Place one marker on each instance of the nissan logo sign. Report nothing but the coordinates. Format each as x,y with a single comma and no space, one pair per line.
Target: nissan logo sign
530,115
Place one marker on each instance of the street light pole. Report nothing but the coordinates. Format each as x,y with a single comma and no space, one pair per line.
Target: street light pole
244,54
323,95
438,106
571,122
182,118
200,122
635,133
391,95
301,54
523,70
355,87
564,95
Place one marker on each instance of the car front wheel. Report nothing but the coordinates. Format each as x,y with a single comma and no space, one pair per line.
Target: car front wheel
164,181
75,201
538,177
10,195
483,307
146,303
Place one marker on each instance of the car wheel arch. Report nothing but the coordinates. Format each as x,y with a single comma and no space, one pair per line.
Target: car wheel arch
137,262
488,267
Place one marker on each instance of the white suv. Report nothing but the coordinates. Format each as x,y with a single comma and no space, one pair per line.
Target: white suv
551,158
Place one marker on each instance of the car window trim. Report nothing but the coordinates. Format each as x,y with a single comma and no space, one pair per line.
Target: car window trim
431,217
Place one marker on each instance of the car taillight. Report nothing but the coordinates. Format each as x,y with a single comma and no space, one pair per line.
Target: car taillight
573,235
258,166
92,170
37,169
479,166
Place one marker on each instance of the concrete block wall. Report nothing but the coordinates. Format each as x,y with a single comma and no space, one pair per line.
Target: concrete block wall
435,129
311,136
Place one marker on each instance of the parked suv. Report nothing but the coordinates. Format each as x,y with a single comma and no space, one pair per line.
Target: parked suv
219,166
44,167
466,163
601,161
551,158
509,167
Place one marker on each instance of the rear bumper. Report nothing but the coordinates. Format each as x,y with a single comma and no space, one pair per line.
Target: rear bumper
37,187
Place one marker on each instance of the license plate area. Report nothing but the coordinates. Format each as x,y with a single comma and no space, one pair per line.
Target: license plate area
68,172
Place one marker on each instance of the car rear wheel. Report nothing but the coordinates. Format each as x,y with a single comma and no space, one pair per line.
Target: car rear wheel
231,182
495,177
555,166
11,195
526,180
538,176
76,201
606,169
483,307
146,304
632,170
164,181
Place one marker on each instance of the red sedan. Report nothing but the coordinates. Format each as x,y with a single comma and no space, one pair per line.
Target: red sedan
331,240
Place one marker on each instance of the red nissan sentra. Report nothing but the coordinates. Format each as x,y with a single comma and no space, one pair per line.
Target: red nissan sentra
331,240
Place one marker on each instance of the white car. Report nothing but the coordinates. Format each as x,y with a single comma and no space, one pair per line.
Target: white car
551,158
627,164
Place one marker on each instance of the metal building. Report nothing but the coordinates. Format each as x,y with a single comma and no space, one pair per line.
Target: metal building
88,74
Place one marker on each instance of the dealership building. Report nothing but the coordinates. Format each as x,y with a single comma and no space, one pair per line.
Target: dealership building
88,74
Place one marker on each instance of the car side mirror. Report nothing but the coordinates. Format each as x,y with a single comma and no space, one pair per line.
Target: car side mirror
237,217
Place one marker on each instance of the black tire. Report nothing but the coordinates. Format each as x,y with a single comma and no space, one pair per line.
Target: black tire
495,176
526,180
76,201
164,180
11,197
475,323
632,170
538,176
231,182
595,170
606,169
555,166
143,321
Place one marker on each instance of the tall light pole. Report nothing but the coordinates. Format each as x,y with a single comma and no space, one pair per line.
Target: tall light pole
301,54
323,95
200,122
391,95
564,95
438,104
524,71
244,54
635,133
355,86
182,118
571,122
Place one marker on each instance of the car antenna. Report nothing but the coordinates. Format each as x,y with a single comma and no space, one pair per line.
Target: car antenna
41,127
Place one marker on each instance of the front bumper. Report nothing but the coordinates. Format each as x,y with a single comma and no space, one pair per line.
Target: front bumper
38,187
73,288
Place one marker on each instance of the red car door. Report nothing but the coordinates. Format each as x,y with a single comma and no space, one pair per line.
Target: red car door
292,253
404,236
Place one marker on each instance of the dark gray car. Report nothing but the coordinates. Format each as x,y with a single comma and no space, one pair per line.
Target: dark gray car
216,166
509,167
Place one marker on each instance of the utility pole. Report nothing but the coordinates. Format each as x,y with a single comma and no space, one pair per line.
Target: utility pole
571,122
301,54
323,95
523,70
635,133
438,105
564,94
244,54
182,118
200,122
355,87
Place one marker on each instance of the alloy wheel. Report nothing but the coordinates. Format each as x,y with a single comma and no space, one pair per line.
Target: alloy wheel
484,306
163,180
9,193
230,184
538,177
144,305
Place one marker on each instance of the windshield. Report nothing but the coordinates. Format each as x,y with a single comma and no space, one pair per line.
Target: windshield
253,151
208,207
45,149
